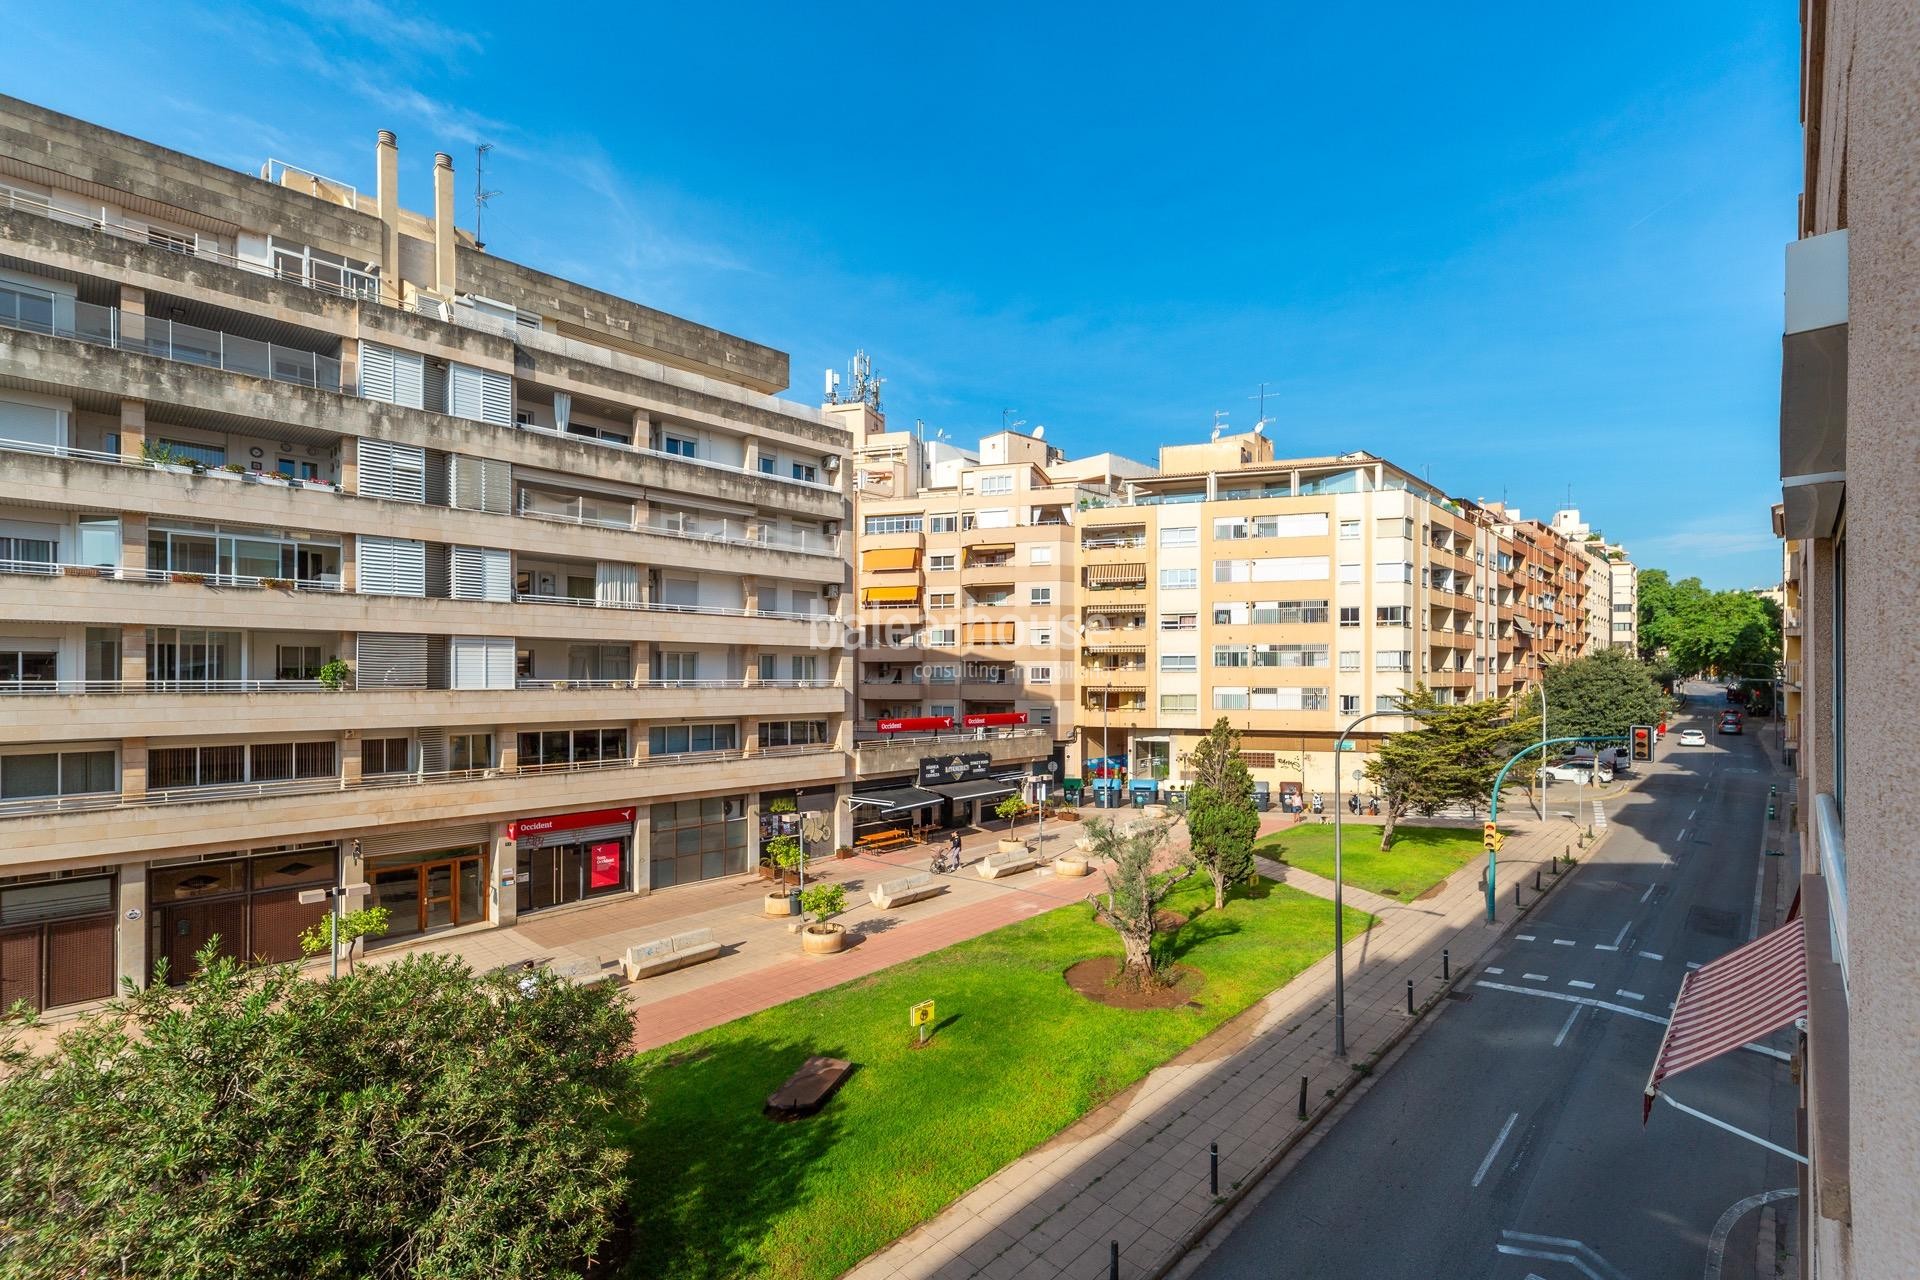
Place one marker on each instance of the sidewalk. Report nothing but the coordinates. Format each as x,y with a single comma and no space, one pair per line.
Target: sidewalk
1135,1169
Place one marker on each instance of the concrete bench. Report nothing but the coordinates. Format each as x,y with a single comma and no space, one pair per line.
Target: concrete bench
664,955
898,892
995,865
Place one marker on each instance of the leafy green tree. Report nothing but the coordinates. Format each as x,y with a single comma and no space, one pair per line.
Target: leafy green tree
1221,818
1600,695
352,926
1136,886
414,1120
1452,758
1701,630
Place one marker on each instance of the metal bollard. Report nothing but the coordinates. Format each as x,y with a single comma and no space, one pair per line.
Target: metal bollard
1303,1097
1409,995
1113,1260
1213,1167
1536,879
1446,965
1516,895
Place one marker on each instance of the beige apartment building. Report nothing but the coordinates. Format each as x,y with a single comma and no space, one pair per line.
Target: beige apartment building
335,550
1294,596
1612,585
966,594
1849,467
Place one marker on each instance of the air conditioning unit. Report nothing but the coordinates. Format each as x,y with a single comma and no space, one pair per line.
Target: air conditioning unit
831,528
831,592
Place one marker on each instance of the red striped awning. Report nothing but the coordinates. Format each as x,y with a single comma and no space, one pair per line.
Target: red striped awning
1748,993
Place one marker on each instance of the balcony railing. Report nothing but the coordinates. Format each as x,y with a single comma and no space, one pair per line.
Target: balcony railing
170,340
317,786
26,687
1830,841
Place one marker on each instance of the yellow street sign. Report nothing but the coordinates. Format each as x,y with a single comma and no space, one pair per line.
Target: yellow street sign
921,1014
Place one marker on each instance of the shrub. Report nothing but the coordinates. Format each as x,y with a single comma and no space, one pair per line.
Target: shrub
824,901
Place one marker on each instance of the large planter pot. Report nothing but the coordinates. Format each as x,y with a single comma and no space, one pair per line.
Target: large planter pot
1071,866
1010,846
823,939
782,903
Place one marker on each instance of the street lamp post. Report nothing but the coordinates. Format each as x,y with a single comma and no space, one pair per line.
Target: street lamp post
1339,911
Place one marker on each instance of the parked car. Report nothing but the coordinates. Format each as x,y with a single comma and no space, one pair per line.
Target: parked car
1575,771
1692,738
1731,722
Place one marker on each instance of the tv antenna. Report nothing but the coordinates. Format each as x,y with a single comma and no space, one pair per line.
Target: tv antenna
1010,423
1263,421
480,193
1219,422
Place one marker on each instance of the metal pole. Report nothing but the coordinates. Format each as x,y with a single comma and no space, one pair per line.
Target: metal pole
1339,910
339,892
1543,744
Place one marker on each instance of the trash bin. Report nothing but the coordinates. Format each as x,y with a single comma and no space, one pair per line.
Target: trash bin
1106,798
1142,798
1262,796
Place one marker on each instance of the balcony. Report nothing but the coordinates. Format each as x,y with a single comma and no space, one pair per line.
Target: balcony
168,340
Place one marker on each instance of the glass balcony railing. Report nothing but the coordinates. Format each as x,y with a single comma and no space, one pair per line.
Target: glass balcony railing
166,339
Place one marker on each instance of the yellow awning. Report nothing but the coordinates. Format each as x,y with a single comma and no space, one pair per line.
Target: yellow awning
891,558
890,595
1100,574
990,548
990,633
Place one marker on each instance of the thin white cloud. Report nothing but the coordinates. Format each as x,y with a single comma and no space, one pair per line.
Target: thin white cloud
398,34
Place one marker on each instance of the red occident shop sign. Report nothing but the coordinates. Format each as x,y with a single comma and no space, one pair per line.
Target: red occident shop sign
912,724
996,718
566,822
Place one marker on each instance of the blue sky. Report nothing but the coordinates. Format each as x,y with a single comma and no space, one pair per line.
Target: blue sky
1516,248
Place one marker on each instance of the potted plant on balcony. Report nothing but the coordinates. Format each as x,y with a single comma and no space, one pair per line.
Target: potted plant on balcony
80,570
823,902
278,584
190,577
334,674
788,858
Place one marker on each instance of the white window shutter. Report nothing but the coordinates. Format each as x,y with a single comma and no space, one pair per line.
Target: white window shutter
482,573
480,394
391,566
500,664
390,661
480,484
396,377
482,662
388,470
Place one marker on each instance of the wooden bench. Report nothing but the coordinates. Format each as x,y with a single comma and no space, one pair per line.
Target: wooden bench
883,841
898,892
995,865
664,955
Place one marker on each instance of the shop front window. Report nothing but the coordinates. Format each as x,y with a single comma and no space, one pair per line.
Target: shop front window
696,840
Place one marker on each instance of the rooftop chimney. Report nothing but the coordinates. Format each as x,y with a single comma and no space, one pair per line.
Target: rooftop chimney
387,169
443,225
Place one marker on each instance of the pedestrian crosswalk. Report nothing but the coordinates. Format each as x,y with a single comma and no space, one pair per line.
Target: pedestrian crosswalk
1599,818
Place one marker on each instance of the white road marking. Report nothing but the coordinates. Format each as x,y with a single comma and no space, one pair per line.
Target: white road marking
1583,1256
1563,942
1566,1026
1717,1243
1682,835
1622,934
1647,894
1604,946
1524,937
1642,1014
1690,814
1584,986
1693,964
1491,969
1534,977
1515,1251
1629,995
1494,1150
1718,1123
1651,955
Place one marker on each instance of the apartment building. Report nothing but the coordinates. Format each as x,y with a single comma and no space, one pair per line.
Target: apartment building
1296,595
1612,584
1849,402
967,585
336,550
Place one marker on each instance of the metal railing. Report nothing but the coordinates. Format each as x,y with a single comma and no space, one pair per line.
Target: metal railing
171,340
153,685
317,786
874,738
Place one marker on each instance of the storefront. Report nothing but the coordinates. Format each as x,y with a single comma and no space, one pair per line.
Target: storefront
250,902
571,857
56,940
791,817
695,840
429,880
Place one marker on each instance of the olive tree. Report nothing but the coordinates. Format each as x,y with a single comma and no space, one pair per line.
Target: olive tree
1136,886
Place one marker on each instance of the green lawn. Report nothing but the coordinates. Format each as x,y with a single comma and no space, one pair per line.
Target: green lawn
1421,857
720,1191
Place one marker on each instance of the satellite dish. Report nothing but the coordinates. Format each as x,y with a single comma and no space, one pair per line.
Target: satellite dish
1260,426
1040,432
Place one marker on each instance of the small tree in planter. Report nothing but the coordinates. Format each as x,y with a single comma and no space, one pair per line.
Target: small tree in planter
367,922
823,902
1012,809
786,856
1135,890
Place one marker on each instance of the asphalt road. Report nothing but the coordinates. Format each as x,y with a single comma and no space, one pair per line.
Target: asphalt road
1507,1141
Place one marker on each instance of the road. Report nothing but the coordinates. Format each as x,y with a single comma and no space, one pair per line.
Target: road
1507,1142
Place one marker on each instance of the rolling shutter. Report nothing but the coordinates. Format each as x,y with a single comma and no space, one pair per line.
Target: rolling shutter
388,470
392,566
615,583
32,423
479,484
482,662
482,573
432,750
396,377
426,839
390,661
480,394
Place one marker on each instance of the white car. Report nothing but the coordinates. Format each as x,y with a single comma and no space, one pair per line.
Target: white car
1580,771
1692,738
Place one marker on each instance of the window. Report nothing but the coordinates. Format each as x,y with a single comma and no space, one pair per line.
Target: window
1393,660
792,733
1040,595
946,709
1040,716
1392,571
769,466
1179,621
677,665
1350,572
55,773
943,673
943,562
1226,655
1179,662
1286,612
1349,529
552,748
1349,704
1289,699
940,600
679,446
296,662
1387,702
1040,675
1039,555
1311,524
383,755
103,653
1179,579
1392,615
1393,527
1349,659
1040,637
1229,699
938,636
806,471
938,524
1271,569
894,524
1002,483
1180,536
1349,615
171,767
1179,704
207,455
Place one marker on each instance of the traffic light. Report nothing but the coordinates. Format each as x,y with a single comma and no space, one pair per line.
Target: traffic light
1643,742
1490,837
